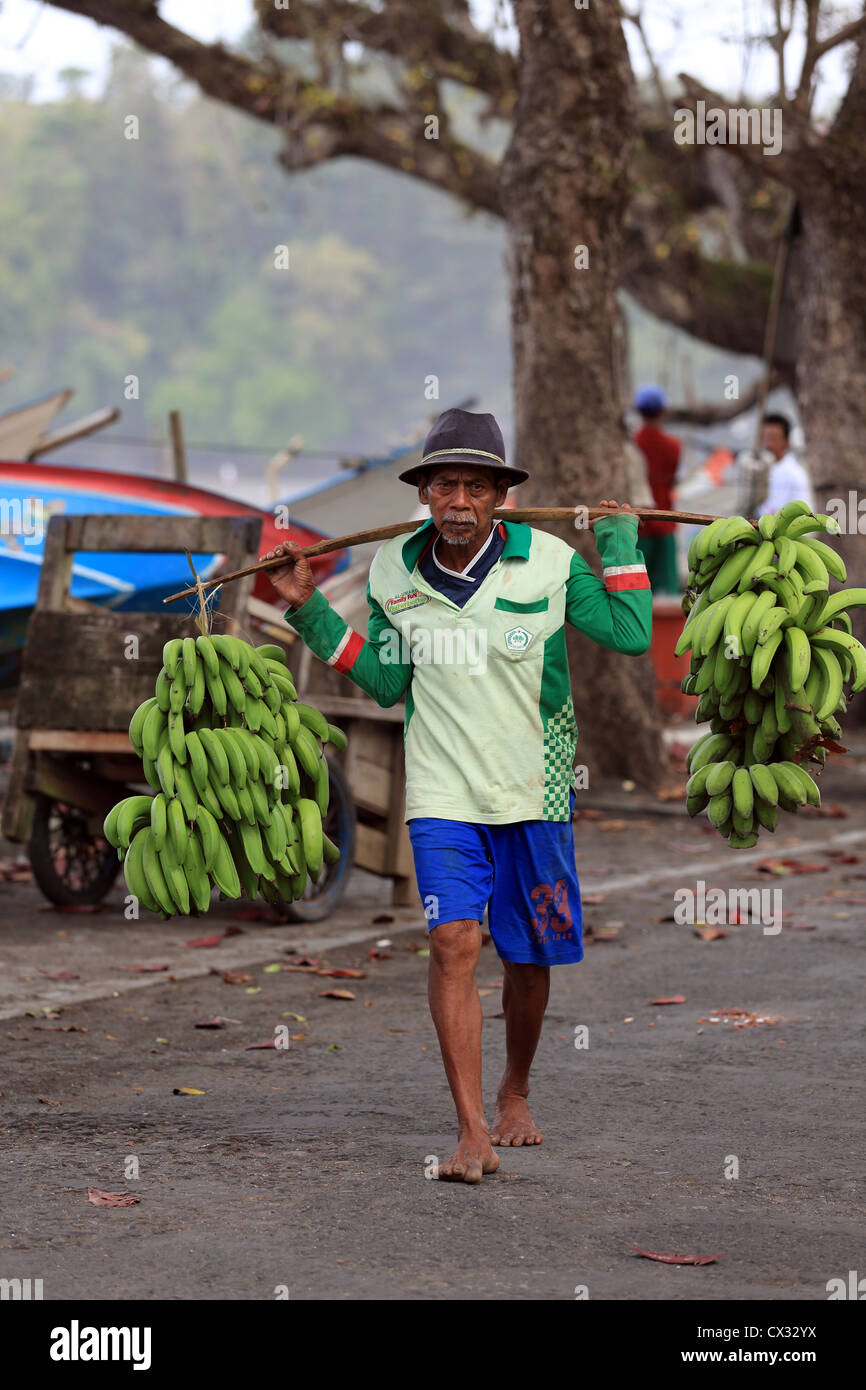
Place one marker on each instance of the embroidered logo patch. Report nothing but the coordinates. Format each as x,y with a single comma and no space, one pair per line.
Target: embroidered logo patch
410,599
517,639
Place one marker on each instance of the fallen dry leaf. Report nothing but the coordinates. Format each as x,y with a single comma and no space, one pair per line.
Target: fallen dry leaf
46,1101
231,977
789,866
143,969
378,955
676,1259
336,994
111,1199
255,1047
344,974
188,1091
59,975
674,999
710,933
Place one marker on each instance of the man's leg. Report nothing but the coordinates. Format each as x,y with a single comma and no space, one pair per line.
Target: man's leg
456,1009
525,989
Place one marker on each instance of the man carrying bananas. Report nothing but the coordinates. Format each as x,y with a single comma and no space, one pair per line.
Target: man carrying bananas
467,620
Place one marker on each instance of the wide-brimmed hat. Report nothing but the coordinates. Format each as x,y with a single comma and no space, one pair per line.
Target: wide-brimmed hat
459,436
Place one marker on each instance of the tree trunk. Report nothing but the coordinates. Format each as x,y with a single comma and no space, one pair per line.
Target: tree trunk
831,371
565,185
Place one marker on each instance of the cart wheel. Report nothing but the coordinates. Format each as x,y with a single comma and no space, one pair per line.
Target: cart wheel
69,865
321,898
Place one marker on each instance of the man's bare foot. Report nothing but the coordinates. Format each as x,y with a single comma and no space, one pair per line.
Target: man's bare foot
512,1125
472,1158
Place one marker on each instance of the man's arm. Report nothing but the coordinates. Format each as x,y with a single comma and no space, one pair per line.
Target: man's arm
378,663
616,610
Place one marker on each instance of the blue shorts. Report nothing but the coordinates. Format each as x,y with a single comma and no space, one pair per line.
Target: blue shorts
524,871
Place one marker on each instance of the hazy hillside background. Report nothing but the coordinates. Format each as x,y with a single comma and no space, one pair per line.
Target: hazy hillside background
155,257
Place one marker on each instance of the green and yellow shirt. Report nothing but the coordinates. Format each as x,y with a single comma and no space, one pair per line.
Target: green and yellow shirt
490,733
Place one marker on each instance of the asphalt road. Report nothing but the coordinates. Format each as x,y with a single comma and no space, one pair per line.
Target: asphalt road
305,1167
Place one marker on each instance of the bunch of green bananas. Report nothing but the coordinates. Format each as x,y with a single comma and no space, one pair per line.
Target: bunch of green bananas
240,780
771,650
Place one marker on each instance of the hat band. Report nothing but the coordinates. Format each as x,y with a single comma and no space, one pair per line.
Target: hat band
477,453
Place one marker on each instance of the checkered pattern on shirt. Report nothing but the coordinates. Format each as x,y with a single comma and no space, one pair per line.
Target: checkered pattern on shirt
560,738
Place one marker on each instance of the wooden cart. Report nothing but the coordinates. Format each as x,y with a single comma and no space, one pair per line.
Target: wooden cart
84,671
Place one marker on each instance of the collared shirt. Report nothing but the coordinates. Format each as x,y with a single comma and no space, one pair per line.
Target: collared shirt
788,481
459,585
490,733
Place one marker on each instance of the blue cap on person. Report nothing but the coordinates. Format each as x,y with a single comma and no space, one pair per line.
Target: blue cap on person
650,398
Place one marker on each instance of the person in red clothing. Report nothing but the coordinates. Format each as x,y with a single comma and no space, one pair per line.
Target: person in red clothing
662,454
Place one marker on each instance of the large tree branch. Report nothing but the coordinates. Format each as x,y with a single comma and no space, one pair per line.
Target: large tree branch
423,34
787,165
816,48
318,124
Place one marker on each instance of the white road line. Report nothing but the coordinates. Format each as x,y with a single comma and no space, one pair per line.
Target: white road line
686,867
238,954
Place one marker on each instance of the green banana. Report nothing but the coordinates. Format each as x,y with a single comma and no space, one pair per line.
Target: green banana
155,877
762,657
708,748
833,561
760,557
799,654
208,654
306,751
177,830
719,809
176,739
311,835
337,738
830,685
196,759
159,819
764,783
752,622
330,851
151,731
198,688
216,690
719,776
133,872
175,877
842,643
131,813
186,791
801,525
216,755
196,876
233,688
136,723
234,753
189,660
729,574
209,834
838,603
171,654
790,786
743,794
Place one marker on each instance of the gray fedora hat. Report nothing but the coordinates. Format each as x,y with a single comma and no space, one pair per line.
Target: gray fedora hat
459,436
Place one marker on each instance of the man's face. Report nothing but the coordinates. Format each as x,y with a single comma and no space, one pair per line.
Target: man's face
462,501
773,438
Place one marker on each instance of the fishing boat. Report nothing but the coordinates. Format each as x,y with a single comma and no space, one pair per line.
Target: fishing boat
31,493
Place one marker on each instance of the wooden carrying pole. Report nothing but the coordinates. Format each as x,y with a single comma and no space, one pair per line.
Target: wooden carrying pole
539,515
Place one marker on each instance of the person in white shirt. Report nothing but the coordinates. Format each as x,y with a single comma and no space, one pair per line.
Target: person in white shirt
788,480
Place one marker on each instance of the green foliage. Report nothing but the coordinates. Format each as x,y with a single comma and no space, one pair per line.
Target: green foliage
155,256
